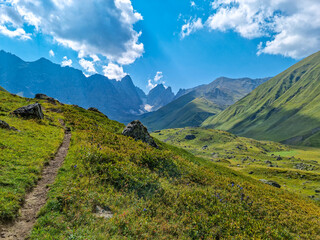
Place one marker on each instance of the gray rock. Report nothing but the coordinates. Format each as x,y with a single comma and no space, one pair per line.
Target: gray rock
5,125
270,182
30,111
190,137
92,109
138,131
103,212
45,97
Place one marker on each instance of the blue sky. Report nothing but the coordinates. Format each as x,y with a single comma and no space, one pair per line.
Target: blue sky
180,43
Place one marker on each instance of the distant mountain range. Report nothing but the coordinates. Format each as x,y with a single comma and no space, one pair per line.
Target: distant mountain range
193,106
119,100
284,109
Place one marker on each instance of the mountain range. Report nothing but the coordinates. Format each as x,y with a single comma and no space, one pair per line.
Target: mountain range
193,106
120,100
284,109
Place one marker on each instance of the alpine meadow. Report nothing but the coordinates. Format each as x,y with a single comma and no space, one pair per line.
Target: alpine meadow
135,119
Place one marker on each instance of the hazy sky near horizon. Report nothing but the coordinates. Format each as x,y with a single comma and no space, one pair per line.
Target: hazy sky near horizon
179,43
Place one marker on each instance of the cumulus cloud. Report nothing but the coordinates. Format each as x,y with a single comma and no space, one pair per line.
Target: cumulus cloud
88,66
114,71
66,62
191,26
91,28
193,4
152,83
51,53
159,76
293,26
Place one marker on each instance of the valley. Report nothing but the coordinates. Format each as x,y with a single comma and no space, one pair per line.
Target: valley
147,192
296,169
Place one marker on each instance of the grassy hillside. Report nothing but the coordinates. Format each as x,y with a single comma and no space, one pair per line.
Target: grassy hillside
286,108
195,105
2,89
295,169
23,154
164,193
187,110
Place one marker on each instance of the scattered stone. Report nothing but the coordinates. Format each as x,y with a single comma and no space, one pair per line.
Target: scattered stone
205,147
138,131
251,172
279,158
5,125
158,131
271,183
30,111
190,137
268,162
317,190
103,212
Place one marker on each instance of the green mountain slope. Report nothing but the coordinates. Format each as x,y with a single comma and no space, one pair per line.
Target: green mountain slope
2,89
164,193
286,108
187,110
193,106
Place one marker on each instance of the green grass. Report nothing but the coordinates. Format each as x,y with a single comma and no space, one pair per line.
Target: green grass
297,171
286,108
164,193
23,154
2,89
161,194
188,110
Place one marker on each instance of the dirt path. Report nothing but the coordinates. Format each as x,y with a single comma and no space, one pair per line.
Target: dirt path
35,200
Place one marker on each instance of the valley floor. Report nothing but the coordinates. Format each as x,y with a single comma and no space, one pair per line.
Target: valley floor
296,169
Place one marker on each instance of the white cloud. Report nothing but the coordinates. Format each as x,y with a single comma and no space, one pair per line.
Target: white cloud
158,76
151,85
51,53
95,58
87,66
293,26
17,33
191,26
96,27
114,71
66,62
193,4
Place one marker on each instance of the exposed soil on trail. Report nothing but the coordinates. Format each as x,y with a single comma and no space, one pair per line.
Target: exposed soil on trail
35,200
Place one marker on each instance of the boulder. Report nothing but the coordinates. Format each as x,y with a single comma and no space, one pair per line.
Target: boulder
5,125
92,109
45,97
138,131
190,137
30,111
271,183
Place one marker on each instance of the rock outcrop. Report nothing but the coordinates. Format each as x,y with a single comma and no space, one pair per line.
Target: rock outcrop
92,109
138,131
45,97
30,111
5,125
190,137
271,183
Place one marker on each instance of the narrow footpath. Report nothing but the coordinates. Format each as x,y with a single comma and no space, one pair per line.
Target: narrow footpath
36,199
